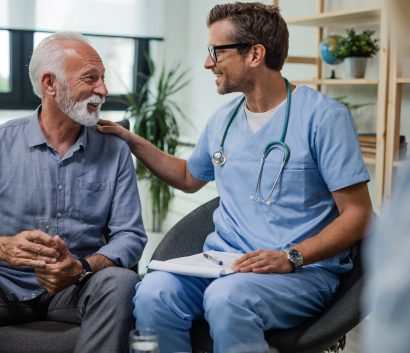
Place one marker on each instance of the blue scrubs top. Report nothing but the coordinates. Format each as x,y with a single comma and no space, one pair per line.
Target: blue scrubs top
324,156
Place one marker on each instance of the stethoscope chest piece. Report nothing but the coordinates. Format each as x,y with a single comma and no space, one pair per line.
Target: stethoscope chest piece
219,158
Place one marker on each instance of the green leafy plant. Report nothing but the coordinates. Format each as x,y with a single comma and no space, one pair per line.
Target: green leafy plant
155,115
356,45
348,105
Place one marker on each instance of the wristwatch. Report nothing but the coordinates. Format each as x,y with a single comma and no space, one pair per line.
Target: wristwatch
295,257
86,274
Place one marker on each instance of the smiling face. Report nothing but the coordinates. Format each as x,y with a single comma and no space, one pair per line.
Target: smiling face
83,92
231,69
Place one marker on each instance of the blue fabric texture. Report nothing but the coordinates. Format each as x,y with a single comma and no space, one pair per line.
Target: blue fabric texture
93,186
238,307
324,157
387,290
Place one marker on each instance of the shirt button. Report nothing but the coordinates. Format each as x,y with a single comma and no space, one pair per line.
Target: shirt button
58,214
60,187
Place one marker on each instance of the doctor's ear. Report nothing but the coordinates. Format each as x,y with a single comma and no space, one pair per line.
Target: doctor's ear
257,55
49,83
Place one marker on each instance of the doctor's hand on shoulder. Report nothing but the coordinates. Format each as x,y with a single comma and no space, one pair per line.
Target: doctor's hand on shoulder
109,127
264,261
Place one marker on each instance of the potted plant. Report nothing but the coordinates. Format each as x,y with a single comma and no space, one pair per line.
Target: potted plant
155,115
355,49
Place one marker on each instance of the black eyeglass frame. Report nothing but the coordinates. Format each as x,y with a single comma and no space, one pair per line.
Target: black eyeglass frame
213,48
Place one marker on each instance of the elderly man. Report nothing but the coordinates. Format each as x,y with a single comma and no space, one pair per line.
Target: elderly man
54,164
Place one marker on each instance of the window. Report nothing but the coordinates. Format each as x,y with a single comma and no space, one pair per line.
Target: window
123,58
5,59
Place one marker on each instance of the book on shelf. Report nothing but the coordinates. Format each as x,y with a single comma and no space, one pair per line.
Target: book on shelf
368,150
367,137
371,151
210,264
370,137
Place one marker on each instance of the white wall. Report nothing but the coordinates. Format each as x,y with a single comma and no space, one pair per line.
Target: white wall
182,23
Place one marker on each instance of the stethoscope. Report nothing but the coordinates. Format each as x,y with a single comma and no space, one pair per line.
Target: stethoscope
219,157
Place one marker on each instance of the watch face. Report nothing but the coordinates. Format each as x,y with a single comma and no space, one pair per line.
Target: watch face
296,257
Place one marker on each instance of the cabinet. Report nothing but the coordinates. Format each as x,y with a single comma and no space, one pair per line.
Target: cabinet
386,144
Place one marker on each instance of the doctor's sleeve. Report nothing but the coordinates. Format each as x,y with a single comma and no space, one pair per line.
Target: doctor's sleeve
338,153
200,162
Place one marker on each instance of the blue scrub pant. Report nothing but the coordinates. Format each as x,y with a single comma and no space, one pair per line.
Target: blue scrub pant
238,307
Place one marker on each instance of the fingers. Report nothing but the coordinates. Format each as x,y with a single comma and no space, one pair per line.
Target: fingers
36,263
61,246
103,122
38,236
43,249
47,282
109,127
30,248
251,264
263,261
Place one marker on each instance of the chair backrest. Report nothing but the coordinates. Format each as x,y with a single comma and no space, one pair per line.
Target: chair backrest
340,316
124,123
187,237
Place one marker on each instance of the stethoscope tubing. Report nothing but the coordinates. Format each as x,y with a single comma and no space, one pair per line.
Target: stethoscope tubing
219,157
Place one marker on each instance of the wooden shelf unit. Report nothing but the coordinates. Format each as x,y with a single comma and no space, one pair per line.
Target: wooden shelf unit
403,80
324,81
340,18
347,18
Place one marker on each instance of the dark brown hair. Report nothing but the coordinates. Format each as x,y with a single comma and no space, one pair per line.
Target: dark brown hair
256,23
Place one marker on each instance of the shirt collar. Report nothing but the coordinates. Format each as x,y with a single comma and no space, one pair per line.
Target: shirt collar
36,137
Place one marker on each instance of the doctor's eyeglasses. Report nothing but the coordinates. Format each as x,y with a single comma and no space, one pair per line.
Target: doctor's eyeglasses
213,48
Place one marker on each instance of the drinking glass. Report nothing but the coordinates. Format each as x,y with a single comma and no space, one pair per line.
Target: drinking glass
143,340
46,225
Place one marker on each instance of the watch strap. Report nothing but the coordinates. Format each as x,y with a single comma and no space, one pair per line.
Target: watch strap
86,265
86,274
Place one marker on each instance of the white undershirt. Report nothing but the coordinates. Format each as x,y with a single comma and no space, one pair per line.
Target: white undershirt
257,120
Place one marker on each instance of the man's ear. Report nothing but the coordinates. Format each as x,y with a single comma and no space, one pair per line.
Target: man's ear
49,83
257,55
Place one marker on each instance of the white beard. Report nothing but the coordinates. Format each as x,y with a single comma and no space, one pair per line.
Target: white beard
78,111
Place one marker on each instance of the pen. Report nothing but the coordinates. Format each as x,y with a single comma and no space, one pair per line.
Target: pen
214,259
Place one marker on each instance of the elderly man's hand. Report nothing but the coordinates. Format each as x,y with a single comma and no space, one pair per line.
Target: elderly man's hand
28,248
263,261
55,277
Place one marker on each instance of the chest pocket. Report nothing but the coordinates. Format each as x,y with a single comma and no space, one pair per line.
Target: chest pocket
299,187
92,200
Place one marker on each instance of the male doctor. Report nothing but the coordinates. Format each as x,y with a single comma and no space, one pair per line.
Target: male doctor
294,218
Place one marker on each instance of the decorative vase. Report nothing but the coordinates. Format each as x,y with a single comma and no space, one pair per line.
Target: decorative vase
355,67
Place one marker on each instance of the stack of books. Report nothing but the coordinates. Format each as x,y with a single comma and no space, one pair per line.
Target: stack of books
368,145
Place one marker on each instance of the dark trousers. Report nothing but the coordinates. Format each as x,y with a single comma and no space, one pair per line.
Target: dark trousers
103,306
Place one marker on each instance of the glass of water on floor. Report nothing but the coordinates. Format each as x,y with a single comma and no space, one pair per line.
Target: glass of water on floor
143,340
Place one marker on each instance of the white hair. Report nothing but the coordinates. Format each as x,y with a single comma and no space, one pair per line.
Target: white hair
48,57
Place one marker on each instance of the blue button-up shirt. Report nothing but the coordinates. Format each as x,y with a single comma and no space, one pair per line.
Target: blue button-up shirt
92,187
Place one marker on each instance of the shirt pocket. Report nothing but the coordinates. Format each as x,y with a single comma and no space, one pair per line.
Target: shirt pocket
300,188
92,200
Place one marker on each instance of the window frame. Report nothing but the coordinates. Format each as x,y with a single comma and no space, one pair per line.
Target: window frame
21,96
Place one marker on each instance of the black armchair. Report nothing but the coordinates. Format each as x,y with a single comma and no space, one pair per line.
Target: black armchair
325,331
